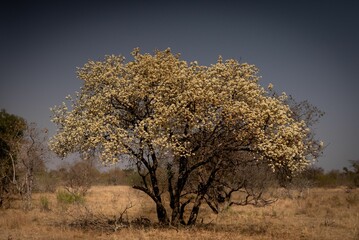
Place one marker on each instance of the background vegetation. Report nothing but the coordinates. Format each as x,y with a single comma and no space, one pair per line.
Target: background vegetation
82,200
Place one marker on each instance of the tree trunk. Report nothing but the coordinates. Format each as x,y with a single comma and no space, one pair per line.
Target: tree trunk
194,213
177,209
175,219
162,214
202,190
29,181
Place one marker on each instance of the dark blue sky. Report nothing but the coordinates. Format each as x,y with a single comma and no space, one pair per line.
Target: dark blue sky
309,50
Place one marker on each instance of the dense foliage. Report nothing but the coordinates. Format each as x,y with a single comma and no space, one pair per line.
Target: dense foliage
12,128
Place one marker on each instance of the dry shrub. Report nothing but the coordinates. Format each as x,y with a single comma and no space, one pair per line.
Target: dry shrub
88,220
84,218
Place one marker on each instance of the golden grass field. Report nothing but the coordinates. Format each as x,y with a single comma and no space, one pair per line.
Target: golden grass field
318,214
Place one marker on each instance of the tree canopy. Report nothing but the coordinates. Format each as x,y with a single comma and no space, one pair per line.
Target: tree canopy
12,128
189,122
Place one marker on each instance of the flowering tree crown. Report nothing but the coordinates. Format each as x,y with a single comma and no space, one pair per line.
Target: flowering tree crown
159,104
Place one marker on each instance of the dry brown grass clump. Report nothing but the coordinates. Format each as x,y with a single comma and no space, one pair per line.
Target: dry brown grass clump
119,212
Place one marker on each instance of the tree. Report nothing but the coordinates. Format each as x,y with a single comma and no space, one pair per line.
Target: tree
22,155
353,172
80,176
31,160
12,129
188,123
310,115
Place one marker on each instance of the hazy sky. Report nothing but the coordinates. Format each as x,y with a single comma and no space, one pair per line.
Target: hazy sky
306,49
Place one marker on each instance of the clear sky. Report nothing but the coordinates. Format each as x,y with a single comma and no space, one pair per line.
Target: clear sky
308,49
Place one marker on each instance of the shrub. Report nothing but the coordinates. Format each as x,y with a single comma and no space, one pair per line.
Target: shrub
65,197
44,204
80,176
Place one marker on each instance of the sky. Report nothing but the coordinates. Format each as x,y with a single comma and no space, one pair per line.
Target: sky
308,49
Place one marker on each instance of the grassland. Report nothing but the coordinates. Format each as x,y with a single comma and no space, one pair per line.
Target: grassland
316,214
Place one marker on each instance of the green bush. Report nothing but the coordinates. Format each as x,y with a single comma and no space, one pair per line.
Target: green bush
65,197
44,203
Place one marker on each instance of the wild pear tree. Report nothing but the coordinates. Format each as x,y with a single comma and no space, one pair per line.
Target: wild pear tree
182,122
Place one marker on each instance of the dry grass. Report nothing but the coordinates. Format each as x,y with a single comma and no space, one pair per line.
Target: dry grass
319,214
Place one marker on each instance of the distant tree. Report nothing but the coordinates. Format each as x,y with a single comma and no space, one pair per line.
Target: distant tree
312,173
353,172
119,176
115,176
12,129
355,166
79,176
193,125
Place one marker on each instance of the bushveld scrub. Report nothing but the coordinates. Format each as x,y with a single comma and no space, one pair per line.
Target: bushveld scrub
64,198
319,214
44,203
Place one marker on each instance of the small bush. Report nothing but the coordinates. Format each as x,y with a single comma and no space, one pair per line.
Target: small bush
65,197
44,203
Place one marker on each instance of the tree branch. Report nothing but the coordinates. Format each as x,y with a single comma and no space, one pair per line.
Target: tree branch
147,191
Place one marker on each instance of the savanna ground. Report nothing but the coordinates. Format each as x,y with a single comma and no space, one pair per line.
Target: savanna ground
315,214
